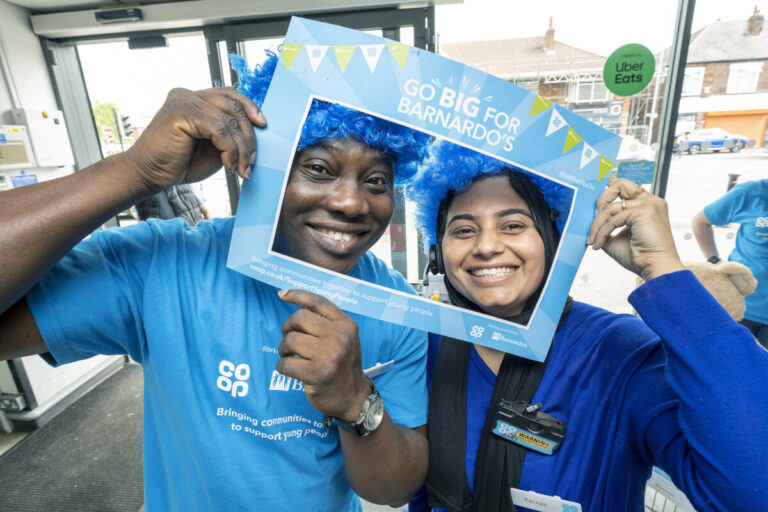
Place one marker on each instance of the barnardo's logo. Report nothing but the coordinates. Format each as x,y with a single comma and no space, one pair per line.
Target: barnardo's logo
280,382
233,378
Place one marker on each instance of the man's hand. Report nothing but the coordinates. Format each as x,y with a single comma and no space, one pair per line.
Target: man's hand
320,347
325,339
193,134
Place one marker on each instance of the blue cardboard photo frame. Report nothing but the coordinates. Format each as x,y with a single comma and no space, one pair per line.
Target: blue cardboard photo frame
447,100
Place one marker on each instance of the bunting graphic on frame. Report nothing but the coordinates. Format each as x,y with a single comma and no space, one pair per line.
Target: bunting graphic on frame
316,54
604,167
540,105
588,154
571,140
556,122
290,52
371,53
343,55
400,52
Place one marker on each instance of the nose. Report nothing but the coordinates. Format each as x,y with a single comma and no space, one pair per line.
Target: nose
487,244
348,198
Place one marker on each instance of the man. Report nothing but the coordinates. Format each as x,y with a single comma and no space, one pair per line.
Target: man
747,205
222,428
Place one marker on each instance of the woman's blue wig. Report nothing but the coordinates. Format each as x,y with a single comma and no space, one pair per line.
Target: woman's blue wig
451,167
406,147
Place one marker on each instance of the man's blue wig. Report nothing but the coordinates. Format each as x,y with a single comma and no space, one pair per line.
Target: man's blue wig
452,168
406,147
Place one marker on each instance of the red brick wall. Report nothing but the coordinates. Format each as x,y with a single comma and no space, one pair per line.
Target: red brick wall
716,78
762,80
557,92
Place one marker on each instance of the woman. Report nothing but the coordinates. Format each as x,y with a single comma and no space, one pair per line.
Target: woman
681,391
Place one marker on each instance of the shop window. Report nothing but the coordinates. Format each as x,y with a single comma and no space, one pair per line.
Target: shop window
742,77
694,79
589,92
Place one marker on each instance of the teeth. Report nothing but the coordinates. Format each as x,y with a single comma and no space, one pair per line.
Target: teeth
336,235
496,271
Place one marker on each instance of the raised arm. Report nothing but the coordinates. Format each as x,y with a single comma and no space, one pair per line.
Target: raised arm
702,230
714,367
190,137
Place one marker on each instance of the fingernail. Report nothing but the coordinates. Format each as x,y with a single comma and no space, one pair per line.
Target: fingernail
260,117
248,173
281,293
252,158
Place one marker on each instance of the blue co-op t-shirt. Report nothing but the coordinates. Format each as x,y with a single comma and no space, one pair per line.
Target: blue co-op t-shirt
747,204
222,429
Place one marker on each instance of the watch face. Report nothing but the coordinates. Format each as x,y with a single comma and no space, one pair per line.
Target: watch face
374,414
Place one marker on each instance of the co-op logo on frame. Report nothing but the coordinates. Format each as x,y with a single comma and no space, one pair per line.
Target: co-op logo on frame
233,379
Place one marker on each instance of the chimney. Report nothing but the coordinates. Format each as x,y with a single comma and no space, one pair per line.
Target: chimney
549,38
755,23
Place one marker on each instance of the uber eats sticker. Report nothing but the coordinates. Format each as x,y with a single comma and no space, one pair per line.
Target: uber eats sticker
629,69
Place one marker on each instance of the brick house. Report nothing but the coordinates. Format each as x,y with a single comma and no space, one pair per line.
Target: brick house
726,79
560,72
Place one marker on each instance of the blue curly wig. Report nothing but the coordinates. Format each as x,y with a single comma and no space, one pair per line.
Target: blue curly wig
451,167
405,147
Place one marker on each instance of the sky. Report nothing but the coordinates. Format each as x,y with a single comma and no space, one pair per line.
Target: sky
599,26
138,80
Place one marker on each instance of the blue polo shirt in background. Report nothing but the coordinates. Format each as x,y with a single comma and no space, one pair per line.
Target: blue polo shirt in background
747,205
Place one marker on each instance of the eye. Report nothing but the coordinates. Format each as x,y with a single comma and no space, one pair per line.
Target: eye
462,232
378,183
513,227
315,170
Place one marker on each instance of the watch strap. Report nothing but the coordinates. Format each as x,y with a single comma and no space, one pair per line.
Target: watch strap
358,427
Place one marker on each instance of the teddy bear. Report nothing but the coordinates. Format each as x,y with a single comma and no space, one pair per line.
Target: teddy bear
728,283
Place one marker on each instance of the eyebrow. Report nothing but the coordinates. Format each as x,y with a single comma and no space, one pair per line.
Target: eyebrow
332,150
502,213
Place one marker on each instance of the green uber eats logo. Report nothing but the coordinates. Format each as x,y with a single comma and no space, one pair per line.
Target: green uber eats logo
629,69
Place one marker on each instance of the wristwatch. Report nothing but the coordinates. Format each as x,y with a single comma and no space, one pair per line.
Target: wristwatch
370,417
714,259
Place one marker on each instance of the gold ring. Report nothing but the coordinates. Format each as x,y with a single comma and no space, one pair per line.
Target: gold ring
623,204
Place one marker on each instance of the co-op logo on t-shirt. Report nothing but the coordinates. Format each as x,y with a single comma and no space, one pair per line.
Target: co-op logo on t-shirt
761,222
232,379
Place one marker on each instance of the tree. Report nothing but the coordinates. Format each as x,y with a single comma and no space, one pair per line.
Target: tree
105,120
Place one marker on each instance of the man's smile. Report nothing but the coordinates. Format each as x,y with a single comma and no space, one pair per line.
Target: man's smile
337,240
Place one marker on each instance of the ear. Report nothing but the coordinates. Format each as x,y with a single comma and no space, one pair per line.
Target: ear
740,276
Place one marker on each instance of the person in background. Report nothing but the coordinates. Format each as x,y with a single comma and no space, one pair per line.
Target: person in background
747,205
682,389
240,379
176,201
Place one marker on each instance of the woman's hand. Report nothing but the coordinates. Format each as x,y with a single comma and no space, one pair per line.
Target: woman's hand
645,244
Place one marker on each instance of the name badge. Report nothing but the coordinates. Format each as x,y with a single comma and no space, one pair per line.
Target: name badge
536,501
